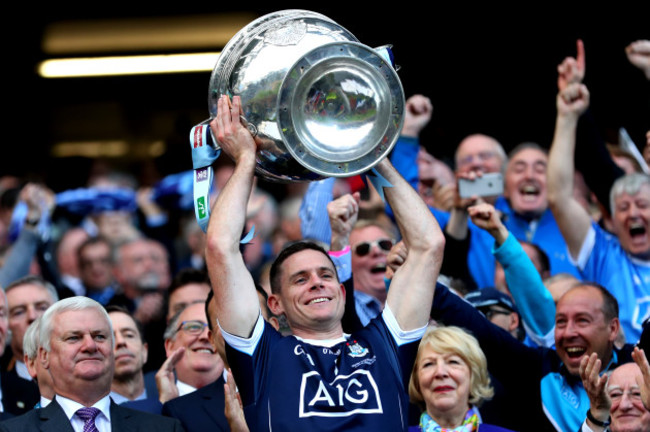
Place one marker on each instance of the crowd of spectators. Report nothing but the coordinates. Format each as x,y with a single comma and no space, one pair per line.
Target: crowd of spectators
546,283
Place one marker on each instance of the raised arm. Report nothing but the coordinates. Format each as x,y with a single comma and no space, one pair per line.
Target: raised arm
418,111
572,69
533,300
237,305
573,220
343,213
412,286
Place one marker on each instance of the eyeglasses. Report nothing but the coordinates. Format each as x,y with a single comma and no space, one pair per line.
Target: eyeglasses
364,248
481,157
491,312
193,327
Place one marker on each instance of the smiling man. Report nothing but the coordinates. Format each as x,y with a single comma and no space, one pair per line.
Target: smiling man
619,403
621,263
525,181
317,378
586,321
77,349
370,244
187,342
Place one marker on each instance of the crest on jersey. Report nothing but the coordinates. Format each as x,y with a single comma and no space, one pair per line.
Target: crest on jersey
356,350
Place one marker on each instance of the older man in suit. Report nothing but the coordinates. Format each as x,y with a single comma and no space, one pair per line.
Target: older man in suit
77,348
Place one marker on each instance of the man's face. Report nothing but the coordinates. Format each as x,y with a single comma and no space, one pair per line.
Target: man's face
81,353
525,182
581,327
311,296
478,153
631,217
4,321
502,317
130,352
186,295
26,303
144,266
627,412
200,356
369,269
95,266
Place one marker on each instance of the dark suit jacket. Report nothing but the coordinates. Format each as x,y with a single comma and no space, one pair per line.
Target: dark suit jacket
151,404
18,395
200,411
52,418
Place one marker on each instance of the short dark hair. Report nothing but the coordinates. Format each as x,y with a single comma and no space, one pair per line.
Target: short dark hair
187,276
610,304
293,248
91,242
125,311
524,146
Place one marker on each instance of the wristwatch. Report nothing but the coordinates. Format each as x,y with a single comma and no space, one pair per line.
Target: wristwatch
597,422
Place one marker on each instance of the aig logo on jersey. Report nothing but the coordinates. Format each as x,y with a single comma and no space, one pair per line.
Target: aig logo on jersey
356,393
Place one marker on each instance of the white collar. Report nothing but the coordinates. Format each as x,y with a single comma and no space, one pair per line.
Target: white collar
327,343
70,407
184,388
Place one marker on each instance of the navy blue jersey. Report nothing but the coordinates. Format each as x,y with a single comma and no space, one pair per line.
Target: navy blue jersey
357,382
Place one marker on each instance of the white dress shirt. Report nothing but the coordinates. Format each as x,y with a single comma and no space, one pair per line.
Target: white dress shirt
184,388
102,421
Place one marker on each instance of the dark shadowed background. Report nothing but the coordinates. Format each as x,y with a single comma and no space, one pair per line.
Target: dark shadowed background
488,69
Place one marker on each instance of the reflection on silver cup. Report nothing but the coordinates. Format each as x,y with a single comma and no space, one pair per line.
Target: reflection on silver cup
321,103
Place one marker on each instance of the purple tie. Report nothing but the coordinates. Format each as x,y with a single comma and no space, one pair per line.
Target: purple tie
88,416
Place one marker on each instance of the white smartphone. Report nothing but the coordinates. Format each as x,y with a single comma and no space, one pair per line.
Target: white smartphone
487,185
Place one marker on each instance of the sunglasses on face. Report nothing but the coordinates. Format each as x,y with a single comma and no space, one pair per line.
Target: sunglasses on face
364,248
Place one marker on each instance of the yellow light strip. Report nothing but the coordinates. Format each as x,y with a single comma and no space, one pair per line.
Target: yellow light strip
127,65
139,35
107,148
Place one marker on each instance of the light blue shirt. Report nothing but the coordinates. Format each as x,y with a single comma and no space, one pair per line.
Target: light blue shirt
603,260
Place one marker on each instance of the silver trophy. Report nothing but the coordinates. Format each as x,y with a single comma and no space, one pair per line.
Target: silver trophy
319,103
322,103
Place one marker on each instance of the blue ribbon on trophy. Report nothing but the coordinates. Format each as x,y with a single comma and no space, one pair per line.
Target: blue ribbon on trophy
204,153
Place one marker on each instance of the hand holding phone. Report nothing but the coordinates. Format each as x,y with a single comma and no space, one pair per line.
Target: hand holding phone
489,184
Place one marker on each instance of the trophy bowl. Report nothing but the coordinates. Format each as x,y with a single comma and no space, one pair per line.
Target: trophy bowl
318,102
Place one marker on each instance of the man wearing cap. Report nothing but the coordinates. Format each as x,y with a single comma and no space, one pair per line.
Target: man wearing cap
499,308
